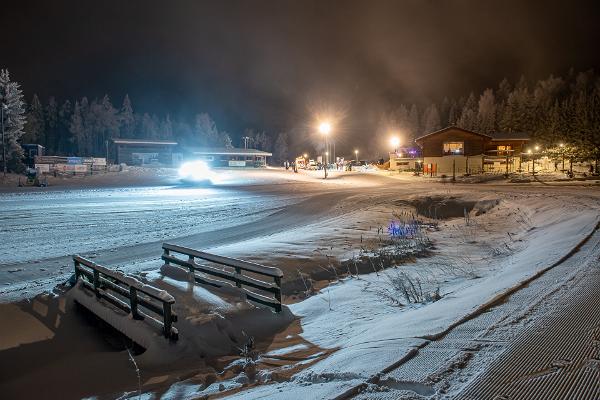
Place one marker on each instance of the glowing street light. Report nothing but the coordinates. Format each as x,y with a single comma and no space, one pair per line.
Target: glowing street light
395,141
325,129
356,154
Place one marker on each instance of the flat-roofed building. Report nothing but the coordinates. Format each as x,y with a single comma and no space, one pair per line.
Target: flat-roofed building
144,152
228,157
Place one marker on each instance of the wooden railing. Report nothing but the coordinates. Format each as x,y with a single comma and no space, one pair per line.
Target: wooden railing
233,272
129,294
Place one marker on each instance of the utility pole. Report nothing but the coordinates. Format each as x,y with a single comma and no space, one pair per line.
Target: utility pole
2,107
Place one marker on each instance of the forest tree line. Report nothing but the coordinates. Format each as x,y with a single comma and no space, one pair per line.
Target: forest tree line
556,110
553,110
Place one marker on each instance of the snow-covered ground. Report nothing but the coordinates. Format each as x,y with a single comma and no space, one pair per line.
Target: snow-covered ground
351,329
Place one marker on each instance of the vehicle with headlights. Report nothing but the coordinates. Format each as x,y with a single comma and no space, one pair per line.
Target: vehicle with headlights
196,172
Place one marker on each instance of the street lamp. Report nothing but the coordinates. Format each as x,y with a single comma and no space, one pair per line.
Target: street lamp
325,128
562,152
356,154
395,141
3,107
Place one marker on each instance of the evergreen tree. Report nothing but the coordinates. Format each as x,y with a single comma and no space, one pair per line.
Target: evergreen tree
468,116
166,128
65,138
206,130
35,127
126,119
52,137
413,126
431,120
486,112
11,101
281,148
77,129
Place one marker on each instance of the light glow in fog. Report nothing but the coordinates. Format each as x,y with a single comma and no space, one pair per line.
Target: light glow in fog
196,171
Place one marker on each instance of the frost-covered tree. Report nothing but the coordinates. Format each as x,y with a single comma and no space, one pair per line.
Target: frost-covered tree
486,112
413,125
35,127
65,140
149,127
431,120
11,100
51,119
126,119
166,128
206,132
280,151
468,116
77,129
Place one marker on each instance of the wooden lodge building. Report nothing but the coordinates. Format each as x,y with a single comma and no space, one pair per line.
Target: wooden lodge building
461,151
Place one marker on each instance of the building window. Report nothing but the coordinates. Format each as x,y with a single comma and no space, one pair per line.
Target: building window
504,150
453,148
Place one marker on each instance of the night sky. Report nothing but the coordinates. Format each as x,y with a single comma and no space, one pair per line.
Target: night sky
273,64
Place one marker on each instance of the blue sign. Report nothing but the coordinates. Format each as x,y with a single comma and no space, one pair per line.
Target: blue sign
74,160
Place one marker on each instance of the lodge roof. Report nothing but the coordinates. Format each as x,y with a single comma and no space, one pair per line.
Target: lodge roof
228,151
511,136
148,142
453,128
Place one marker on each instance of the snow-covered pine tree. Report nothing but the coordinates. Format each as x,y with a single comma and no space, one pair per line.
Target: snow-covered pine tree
468,116
77,129
51,118
206,131
11,100
280,151
66,139
431,119
486,112
126,119
35,127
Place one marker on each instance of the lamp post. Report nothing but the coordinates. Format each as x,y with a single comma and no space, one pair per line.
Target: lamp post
562,153
395,142
3,107
356,154
529,152
325,128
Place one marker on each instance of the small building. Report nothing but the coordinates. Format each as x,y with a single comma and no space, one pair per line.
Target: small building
31,151
456,150
405,161
144,152
228,157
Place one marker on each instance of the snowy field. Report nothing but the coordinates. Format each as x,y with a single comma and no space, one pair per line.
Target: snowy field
483,241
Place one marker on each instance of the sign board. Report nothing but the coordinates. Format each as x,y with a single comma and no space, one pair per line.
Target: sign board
234,163
99,161
74,160
80,168
42,167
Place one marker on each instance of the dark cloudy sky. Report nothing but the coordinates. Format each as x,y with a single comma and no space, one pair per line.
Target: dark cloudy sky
270,64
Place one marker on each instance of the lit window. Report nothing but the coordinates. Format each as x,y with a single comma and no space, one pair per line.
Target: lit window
452,148
504,150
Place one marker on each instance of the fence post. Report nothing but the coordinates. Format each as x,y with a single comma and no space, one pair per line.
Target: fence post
167,319
238,271
133,302
97,282
191,264
278,293
76,270
166,253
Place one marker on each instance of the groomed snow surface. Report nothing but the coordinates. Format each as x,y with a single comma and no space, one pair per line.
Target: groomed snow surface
324,345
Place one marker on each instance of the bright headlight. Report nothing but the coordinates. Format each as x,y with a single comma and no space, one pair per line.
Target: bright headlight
195,171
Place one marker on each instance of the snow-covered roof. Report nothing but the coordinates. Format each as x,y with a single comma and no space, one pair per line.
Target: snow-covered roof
453,128
510,136
225,151
145,142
